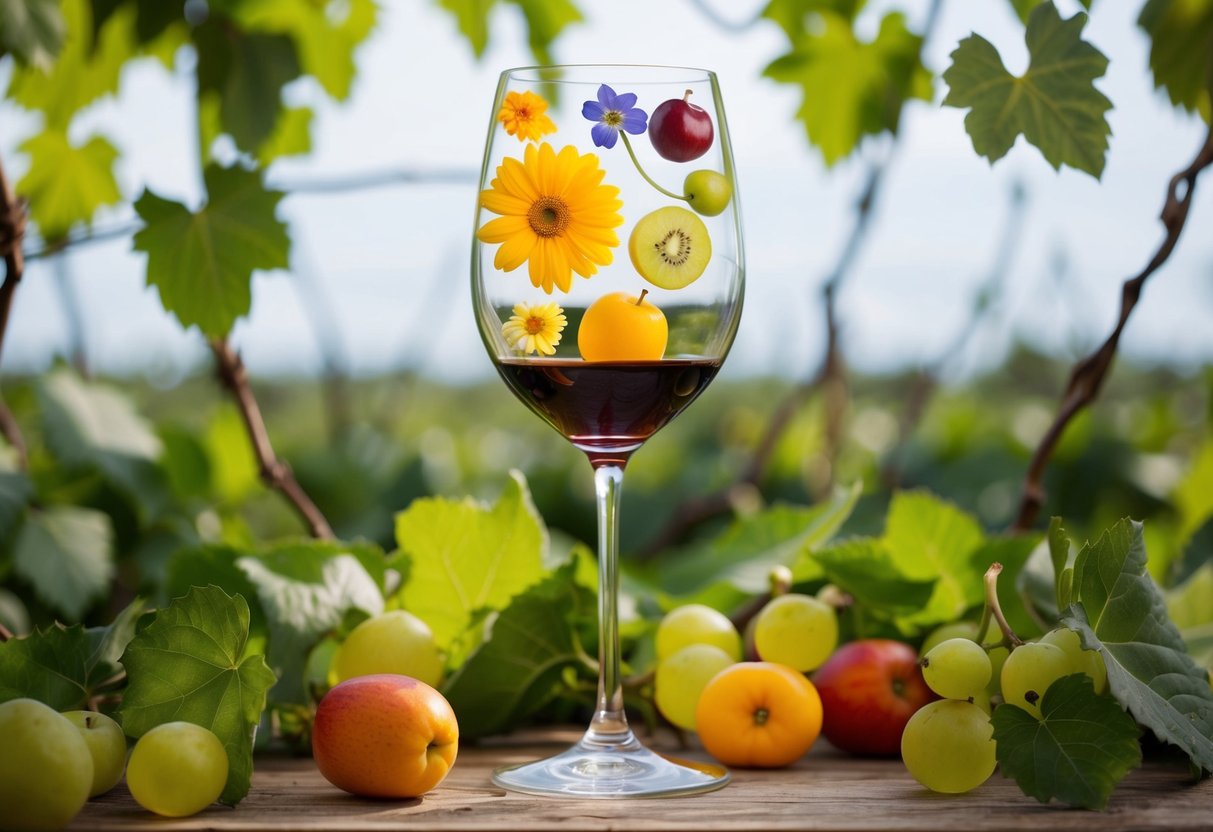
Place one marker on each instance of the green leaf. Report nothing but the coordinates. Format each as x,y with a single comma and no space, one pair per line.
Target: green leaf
65,184
1024,8
466,557
853,88
247,72
545,21
202,262
48,665
152,16
472,16
1120,612
1190,606
67,554
519,665
291,136
233,462
742,556
795,17
15,493
1181,51
1062,556
189,664
83,72
108,643
1054,104
864,568
1084,745
930,539
32,30
1013,553
1193,497
326,34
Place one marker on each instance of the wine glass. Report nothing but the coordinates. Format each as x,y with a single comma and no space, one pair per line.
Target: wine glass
607,281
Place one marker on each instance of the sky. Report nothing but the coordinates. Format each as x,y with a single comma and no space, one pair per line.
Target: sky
383,272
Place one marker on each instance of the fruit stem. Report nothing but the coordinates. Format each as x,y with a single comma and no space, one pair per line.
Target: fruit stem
628,145
640,299
686,98
993,608
5,633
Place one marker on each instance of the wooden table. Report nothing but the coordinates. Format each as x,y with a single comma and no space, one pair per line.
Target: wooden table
825,791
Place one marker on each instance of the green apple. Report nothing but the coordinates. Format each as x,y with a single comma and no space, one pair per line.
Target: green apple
106,743
707,191
46,769
395,642
177,769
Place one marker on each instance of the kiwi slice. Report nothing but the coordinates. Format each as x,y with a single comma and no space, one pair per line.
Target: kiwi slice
670,247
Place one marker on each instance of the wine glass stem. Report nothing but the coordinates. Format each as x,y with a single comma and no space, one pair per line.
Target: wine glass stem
610,725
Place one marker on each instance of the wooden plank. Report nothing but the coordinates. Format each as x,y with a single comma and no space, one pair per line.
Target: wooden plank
825,791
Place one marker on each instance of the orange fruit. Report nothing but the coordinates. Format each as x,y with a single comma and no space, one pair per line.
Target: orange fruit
622,327
758,715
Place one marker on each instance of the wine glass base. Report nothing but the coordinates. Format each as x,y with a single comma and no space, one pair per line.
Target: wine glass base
628,770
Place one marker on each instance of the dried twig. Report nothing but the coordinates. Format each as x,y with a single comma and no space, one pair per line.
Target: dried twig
1089,374
12,232
275,473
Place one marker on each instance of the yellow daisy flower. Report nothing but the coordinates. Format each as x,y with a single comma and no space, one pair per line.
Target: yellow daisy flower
555,212
524,115
534,328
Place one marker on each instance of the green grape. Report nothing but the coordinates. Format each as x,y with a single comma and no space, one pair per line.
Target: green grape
960,629
796,630
1028,672
948,746
394,642
46,769
957,669
682,677
1089,662
697,624
177,769
998,657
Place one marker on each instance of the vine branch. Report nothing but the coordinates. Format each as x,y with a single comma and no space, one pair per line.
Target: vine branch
275,473
12,233
1088,376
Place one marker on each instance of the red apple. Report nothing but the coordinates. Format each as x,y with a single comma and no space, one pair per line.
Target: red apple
679,130
869,690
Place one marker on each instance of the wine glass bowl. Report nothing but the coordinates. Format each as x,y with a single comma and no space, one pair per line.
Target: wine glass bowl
607,282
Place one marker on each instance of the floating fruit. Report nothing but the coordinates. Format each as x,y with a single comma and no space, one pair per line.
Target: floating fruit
679,130
622,327
670,247
707,191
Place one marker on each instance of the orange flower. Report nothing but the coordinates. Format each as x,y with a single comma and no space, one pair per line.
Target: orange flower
555,213
524,115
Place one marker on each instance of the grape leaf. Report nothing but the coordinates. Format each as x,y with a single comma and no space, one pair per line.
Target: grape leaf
1118,611
741,557
1181,51
518,667
1013,553
65,184
15,493
1077,753
64,666
545,20
864,569
246,72
32,30
1054,104
67,554
853,88
1190,606
190,664
930,539
1193,497
83,72
152,17
795,16
325,34
202,262
464,557
291,136
1023,8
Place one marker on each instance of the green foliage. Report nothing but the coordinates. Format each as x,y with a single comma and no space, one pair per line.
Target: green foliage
32,30
65,184
1181,51
1084,745
464,557
519,667
190,663
545,20
67,554
1119,611
15,493
852,88
202,262
795,16
1054,104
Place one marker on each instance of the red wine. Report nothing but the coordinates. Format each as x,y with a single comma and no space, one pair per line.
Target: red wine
607,409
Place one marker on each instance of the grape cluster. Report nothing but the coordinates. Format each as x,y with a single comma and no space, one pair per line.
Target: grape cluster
948,745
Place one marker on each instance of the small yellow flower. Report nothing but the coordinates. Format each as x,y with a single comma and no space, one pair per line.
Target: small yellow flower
555,213
524,115
534,328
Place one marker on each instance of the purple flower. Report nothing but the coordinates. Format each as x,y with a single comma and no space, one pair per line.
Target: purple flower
614,112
